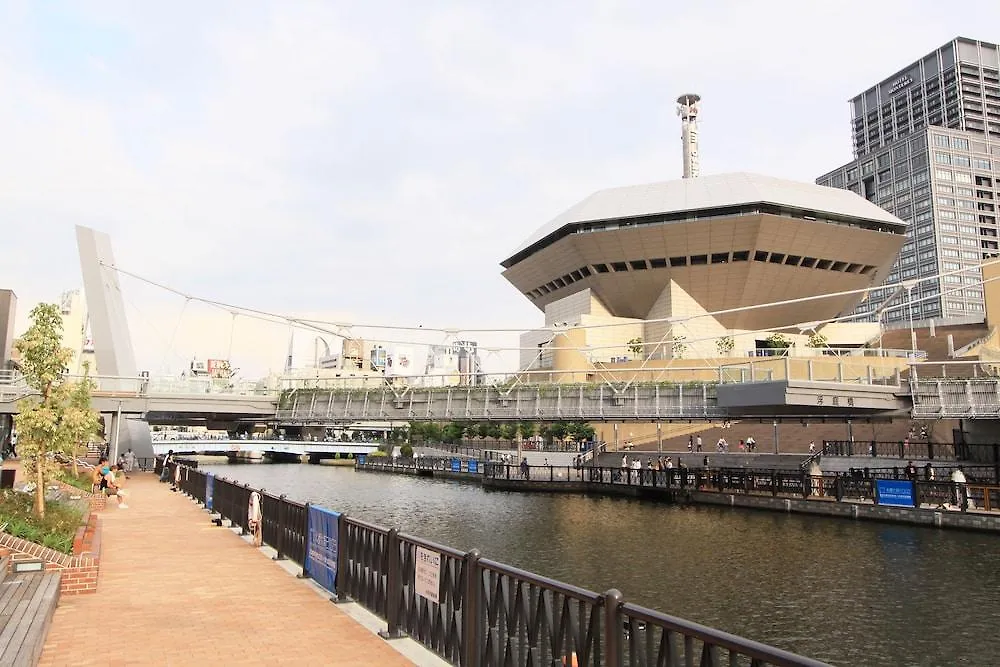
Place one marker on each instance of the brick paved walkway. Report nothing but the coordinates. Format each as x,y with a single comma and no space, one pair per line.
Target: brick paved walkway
176,590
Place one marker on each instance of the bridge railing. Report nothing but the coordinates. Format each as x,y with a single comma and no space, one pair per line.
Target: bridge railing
488,613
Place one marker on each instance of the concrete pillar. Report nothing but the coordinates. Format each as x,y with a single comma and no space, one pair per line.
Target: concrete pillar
564,358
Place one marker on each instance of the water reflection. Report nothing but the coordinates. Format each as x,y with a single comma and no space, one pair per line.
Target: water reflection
850,593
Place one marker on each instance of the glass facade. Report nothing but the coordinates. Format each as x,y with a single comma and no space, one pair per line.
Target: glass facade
956,86
927,149
946,185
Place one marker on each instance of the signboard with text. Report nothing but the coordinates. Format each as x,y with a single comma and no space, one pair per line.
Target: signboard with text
427,574
473,466
456,465
321,547
895,492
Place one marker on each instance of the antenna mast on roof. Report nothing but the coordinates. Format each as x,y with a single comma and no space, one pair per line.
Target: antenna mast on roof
687,109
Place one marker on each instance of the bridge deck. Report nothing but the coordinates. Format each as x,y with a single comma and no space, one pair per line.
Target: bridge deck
189,593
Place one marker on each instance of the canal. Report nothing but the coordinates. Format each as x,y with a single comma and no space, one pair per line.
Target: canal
849,593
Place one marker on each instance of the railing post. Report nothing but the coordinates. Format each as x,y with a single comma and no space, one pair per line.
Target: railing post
613,629
304,574
246,513
471,618
394,587
340,583
282,516
838,488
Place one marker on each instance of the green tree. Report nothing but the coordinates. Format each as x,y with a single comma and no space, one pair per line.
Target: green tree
452,433
483,430
527,429
778,341
635,346
678,347
508,431
433,432
580,431
406,451
725,345
817,340
559,430
59,416
416,432
82,421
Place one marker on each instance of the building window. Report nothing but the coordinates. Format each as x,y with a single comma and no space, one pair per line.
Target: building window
962,177
940,140
852,174
949,240
951,266
941,174
945,201
949,227
960,143
961,161
942,158
953,280
966,229
985,165
947,215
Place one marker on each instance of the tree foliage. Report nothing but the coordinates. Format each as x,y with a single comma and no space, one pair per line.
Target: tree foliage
59,417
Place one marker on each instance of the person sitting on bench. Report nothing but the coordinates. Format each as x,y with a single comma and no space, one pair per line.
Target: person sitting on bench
111,485
97,476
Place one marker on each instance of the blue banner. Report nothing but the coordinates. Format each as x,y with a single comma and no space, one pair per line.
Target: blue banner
321,547
456,465
209,490
895,492
361,458
473,466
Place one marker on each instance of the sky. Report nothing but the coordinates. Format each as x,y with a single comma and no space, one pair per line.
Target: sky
374,162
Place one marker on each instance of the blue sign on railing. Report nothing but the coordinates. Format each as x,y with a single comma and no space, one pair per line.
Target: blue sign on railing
473,466
895,492
209,490
456,465
321,547
361,459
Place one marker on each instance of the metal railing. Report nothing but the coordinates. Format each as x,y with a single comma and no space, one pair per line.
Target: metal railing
487,613
856,485
899,449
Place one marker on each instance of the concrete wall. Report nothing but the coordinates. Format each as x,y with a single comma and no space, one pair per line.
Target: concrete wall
8,310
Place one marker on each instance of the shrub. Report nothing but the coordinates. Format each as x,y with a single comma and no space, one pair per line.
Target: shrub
56,530
406,451
378,453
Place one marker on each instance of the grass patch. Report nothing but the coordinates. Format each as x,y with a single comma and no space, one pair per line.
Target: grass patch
55,531
81,481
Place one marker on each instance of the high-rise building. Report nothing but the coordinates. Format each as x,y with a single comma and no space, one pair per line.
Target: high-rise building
927,149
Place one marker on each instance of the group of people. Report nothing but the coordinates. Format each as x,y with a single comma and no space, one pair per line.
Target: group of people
110,480
722,446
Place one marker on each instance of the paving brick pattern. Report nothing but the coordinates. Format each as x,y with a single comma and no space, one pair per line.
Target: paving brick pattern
176,590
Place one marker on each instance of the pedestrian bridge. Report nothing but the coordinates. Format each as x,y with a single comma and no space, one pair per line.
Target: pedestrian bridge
752,389
245,447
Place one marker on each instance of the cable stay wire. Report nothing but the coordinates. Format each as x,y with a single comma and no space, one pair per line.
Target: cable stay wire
316,325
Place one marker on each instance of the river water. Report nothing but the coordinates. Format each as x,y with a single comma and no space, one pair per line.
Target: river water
847,592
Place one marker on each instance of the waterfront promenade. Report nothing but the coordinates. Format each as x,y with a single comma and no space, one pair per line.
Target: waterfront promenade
176,590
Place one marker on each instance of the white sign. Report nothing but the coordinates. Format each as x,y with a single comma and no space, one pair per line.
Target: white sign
427,574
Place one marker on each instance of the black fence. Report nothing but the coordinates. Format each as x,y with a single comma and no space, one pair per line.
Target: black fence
858,485
485,613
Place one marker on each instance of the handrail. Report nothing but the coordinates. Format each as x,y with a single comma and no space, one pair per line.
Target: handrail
477,620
